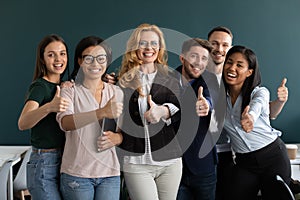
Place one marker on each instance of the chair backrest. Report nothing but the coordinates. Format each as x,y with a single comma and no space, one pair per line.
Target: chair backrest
284,190
4,172
20,182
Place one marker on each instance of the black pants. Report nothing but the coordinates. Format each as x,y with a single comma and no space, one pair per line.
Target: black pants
224,175
257,170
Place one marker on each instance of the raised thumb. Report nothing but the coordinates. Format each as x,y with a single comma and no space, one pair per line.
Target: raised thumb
200,92
151,103
57,91
246,110
283,82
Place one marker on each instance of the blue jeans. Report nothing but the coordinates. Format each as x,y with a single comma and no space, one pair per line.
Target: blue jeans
74,188
43,175
197,187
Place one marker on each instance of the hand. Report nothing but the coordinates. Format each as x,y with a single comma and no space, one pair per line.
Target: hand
156,112
202,106
247,120
108,140
58,104
110,78
67,84
112,109
282,91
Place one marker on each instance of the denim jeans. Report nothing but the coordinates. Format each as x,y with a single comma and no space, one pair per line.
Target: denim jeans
43,175
194,187
77,188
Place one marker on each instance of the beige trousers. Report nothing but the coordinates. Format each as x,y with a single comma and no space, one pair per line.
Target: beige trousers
148,182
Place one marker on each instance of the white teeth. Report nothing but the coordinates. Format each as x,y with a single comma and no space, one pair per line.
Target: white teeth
95,70
58,65
217,54
148,54
231,75
196,69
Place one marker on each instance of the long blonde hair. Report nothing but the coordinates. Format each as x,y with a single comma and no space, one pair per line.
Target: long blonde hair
129,75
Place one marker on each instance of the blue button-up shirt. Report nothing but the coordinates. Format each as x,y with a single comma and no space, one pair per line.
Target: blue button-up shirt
262,133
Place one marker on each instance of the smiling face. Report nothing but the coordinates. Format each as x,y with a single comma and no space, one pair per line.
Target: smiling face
221,42
55,58
148,47
194,62
236,70
93,62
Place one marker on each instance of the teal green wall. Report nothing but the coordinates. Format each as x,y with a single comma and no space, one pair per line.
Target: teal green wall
270,27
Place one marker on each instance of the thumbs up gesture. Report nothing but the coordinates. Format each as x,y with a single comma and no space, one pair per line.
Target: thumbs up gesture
112,109
202,106
155,112
282,91
58,103
247,120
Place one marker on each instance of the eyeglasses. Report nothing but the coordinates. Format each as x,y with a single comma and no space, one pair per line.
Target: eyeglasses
144,44
89,59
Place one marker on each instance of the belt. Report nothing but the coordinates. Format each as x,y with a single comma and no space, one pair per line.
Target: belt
35,150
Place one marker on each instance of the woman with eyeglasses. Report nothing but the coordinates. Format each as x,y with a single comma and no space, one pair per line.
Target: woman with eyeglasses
150,153
90,170
42,102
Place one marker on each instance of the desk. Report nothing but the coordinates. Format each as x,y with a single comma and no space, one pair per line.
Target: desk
11,153
295,165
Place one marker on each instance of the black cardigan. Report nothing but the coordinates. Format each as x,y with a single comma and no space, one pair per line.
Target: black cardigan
164,144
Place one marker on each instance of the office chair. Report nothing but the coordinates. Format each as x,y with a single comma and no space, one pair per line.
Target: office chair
4,172
20,184
284,190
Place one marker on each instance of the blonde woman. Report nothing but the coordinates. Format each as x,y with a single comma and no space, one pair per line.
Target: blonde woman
151,155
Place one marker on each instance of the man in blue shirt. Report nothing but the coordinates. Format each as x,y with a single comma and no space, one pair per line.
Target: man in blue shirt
199,173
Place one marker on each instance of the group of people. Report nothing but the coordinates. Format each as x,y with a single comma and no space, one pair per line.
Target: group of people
75,156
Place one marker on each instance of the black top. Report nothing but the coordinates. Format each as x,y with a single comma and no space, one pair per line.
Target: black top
163,141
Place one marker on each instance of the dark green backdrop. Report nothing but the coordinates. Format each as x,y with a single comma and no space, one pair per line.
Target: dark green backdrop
270,27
